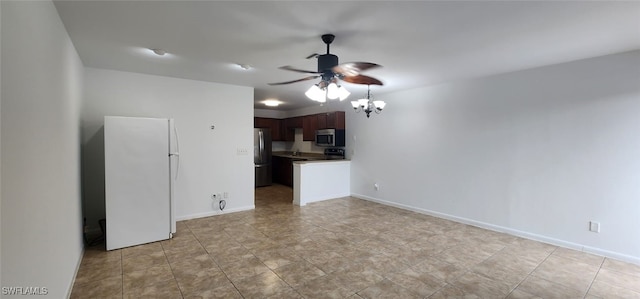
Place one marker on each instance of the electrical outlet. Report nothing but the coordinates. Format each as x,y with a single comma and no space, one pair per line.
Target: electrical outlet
594,226
242,151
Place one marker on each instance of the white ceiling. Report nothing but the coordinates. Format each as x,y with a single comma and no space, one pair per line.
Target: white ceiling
418,43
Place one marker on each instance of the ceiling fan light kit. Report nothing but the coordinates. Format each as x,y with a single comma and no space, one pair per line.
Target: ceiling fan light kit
342,93
316,93
330,72
320,93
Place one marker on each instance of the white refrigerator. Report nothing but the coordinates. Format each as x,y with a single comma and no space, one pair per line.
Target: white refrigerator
141,164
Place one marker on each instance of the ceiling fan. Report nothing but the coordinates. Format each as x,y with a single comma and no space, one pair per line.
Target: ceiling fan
330,71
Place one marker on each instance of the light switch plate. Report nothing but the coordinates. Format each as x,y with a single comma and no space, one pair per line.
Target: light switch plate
594,226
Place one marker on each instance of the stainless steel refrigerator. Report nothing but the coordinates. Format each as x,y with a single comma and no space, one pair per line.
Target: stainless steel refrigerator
262,156
141,163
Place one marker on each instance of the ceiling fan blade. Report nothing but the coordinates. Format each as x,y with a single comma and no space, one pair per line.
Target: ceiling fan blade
294,81
314,55
353,68
362,79
289,68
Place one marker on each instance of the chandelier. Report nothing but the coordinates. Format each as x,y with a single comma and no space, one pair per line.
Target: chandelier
367,104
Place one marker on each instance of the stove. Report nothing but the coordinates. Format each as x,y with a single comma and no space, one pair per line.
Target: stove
334,153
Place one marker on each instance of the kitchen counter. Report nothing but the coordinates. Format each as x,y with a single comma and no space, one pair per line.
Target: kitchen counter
313,161
284,162
304,156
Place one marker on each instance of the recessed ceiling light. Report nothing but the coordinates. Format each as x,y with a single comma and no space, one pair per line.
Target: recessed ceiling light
243,66
159,52
271,102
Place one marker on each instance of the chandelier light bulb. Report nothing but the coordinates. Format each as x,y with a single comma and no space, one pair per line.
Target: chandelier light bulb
379,104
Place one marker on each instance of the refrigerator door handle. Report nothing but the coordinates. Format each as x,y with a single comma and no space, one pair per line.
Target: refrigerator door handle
177,152
177,155
261,145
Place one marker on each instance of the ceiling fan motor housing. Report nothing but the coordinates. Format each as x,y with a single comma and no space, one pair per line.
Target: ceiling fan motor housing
326,62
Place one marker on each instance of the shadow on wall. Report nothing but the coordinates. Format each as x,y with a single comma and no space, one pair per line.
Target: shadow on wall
93,180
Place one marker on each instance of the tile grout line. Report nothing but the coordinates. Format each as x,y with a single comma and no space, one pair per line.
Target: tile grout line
594,278
217,264
121,272
170,267
494,254
531,272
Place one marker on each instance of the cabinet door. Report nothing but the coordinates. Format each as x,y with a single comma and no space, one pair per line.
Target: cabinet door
309,127
323,121
283,170
276,130
294,122
288,173
331,120
261,122
336,120
290,125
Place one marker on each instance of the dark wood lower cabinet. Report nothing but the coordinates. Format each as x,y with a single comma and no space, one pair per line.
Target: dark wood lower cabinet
283,170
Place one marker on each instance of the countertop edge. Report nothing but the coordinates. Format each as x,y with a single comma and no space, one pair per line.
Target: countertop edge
320,161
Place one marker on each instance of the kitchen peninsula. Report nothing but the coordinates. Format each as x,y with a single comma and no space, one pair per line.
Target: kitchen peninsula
318,180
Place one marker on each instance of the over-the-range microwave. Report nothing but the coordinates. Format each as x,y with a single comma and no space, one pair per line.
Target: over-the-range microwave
330,137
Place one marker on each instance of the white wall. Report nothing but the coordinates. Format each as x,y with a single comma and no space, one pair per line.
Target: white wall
40,155
538,153
208,158
325,107
269,113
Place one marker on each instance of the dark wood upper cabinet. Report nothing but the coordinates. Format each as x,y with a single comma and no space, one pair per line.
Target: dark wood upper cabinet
261,122
284,129
289,127
294,122
331,120
270,123
322,120
276,130
309,127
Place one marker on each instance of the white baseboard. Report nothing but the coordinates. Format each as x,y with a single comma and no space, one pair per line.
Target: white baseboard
214,213
324,197
510,231
75,273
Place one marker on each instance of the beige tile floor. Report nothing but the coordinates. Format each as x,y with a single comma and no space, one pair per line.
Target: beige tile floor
346,248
